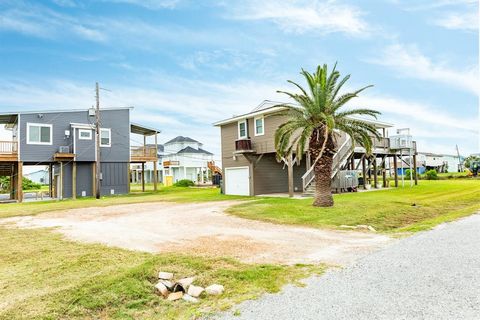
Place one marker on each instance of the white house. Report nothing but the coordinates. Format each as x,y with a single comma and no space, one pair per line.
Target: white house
439,162
39,176
180,158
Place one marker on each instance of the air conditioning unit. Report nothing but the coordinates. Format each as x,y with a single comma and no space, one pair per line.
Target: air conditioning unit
64,149
91,112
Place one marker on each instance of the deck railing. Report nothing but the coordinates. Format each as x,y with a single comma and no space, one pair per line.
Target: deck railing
144,152
8,147
243,145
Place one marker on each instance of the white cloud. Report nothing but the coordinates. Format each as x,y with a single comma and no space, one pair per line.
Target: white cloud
468,21
149,4
301,16
430,126
410,62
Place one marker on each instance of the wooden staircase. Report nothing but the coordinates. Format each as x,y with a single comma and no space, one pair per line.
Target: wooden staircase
339,160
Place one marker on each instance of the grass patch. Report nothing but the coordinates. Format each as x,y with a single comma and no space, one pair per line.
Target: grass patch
385,210
43,276
175,194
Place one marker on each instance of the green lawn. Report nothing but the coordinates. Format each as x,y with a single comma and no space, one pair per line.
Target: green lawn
398,209
43,276
176,194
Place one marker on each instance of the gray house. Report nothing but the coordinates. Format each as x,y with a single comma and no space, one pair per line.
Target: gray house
65,141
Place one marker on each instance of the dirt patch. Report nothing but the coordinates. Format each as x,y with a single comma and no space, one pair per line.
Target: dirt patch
203,229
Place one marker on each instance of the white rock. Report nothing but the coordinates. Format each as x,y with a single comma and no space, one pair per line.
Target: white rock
372,229
167,283
165,275
162,289
189,298
175,296
215,289
195,291
186,282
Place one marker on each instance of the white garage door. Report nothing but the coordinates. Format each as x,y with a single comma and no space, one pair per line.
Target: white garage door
237,181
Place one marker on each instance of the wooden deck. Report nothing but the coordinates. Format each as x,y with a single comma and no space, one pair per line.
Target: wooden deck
8,151
143,154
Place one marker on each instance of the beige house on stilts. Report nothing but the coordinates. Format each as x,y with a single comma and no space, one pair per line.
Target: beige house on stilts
250,166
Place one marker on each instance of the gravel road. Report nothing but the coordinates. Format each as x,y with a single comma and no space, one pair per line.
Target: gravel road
432,275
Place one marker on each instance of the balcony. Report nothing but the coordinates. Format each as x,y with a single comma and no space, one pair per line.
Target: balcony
244,146
64,153
143,154
8,151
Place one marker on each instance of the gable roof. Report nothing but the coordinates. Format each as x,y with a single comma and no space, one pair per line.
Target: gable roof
193,150
181,139
267,107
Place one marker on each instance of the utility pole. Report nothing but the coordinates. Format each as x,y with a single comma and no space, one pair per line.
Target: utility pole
460,167
97,142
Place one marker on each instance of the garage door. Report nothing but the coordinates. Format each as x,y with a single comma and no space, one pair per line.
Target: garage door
237,181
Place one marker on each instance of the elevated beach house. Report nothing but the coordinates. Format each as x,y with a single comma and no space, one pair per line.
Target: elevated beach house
250,166
65,142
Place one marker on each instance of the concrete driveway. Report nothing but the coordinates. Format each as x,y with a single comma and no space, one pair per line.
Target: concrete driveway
204,228
432,275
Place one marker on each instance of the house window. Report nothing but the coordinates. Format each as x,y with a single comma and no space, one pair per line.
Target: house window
84,134
105,137
242,129
39,133
259,126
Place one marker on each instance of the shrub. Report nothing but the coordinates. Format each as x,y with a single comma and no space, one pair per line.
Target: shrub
407,173
431,175
184,183
27,184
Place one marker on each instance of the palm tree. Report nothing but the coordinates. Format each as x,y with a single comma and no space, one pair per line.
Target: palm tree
315,119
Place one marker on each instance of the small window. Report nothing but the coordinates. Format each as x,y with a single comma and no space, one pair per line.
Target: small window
242,129
259,126
84,134
39,133
105,138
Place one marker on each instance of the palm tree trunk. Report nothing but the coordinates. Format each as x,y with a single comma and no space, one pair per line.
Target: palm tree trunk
322,167
323,181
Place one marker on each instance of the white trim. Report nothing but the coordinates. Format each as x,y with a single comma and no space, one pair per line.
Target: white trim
31,124
82,126
255,126
74,145
84,130
248,115
109,136
378,124
244,121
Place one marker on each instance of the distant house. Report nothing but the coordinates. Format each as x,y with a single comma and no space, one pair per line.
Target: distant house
440,162
179,158
40,176
65,142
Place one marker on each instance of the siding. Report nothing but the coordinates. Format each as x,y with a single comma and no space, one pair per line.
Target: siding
114,177
272,177
84,178
229,134
117,120
85,149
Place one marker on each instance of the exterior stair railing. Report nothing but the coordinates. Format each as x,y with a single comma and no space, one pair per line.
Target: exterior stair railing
339,160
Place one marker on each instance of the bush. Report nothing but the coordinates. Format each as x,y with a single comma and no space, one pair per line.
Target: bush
184,183
27,184
431,175
407,173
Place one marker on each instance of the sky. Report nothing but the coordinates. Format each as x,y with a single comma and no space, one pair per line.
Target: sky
184,64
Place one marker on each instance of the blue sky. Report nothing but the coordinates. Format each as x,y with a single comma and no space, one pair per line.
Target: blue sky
185,64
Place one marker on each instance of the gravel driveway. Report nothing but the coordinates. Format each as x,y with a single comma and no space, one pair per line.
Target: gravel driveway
203,228
432,275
